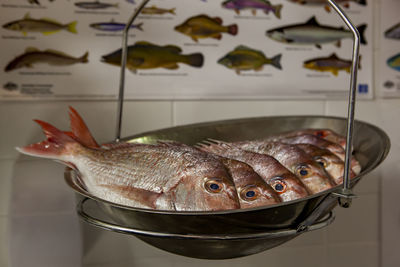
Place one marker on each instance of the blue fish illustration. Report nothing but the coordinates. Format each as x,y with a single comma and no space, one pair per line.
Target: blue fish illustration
114,26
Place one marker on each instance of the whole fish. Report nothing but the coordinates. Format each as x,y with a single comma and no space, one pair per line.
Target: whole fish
45,26
394,62
314,33
203,26
393,32
95,5
154,10
245,58
144,176
114,26
294,159
332,164
51,57
264,5
284,182
145,55
345,3
332,64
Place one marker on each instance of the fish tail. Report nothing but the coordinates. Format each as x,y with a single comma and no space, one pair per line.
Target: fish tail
233,29
362,2
80,131
84,58
71,27
172,11
139,26
361,30
54,147
195,60
277,11
276,61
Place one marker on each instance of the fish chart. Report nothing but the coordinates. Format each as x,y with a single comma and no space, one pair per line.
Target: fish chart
194,49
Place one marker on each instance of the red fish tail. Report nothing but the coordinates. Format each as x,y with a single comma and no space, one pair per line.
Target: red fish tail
55,145
80,132
233,29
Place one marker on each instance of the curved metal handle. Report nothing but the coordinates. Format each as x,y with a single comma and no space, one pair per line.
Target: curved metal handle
240,236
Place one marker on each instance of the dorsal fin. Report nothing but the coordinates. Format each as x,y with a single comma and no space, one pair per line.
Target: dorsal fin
242,47
80,130
218,20
312,21
334,56
31,49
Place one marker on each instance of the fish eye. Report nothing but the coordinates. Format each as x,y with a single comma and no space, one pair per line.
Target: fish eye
321,161
303,171
249,193
213,185
279,186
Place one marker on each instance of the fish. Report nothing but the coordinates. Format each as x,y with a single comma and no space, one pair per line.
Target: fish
393,32
36,2
51,57
314,33
294,159
317,3
394,62
332,164
245,58
203,26
285,183
95,5
154,10
114,26
332,64
142,175
145,55
44,25
264,5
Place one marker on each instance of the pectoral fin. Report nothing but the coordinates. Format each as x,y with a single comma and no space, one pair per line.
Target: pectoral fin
172,66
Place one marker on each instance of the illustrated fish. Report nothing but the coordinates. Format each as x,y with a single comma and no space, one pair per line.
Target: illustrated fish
314,33
253,5
51,57
145,55
332,64
284,182
394,62
95,5
154,10
294,159
142,175
345,3
393,32
245,58
44,25
34,2
114,26
203,26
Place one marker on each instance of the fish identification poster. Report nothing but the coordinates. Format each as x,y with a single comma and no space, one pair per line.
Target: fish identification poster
182,49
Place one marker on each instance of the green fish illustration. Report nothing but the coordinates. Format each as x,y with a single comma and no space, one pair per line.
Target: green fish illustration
153,10
203,26
331,64
52,57
145,55
44,25
245,58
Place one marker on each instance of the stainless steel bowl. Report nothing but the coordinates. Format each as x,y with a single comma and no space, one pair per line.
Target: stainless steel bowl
234,233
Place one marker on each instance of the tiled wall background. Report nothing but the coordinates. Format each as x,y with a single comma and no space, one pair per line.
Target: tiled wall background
39,227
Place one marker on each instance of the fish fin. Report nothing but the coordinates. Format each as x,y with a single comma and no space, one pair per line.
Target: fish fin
217,36
243,47
276,61
27,16
84,58
237,71
173,48
194,38
172,11
333,56
312,21
71,27
172,66
144,197
218,20
49,33
260,68
277,11
335,72
139,26
133,70
80,130
237,11
318,46
31,49
338,43
195,60
361,30
233,29
327,8
53,147
254,12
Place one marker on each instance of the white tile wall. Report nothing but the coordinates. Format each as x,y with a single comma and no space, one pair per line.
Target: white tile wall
41,204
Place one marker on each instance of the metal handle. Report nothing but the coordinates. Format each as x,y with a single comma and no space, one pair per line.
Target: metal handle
240,236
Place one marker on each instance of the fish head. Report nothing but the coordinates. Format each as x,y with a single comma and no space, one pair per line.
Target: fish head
113,58
288,186
333,166
277,35
225,61
310,65
313,176
182,28
14,26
